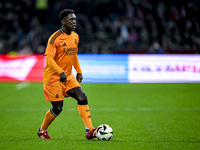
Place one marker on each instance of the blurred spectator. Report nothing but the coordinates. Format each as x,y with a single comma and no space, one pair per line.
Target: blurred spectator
155,49
1,47
25,51
104,26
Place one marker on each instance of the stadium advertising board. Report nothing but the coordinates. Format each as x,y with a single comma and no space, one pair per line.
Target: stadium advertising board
109,68
164,68
21,68
104,68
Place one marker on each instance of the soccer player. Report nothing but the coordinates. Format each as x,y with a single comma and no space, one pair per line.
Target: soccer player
58,81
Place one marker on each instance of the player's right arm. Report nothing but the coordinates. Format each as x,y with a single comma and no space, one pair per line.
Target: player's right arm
52,64
50,54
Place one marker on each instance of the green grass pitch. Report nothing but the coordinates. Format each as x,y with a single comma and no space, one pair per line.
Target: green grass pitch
143,117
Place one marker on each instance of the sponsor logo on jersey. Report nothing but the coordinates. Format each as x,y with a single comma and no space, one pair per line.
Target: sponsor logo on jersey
69,51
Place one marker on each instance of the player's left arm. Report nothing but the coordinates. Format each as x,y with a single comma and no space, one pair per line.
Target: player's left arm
77,67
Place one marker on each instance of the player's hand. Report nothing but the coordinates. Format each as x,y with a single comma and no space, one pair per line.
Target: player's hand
63,77
79,77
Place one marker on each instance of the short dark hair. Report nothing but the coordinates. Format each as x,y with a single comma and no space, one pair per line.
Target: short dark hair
65,12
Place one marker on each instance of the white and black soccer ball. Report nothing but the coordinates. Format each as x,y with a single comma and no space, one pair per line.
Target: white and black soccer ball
104,132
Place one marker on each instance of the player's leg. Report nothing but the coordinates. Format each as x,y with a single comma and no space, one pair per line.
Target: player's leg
54,95
48,119
51,114
83,109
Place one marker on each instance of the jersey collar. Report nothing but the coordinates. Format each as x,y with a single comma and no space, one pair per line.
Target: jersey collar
62,30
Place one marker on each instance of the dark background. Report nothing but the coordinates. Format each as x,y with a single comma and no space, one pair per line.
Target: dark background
104,26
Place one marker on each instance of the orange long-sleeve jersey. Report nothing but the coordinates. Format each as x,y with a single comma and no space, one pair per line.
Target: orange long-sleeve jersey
61,55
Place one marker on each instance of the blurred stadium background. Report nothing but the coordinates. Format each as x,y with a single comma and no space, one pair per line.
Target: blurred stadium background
104,26
120,43
124,30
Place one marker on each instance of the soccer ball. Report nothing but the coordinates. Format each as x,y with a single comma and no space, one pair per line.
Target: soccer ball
104,132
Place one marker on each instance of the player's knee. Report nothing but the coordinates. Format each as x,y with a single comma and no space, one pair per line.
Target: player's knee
59,108
82,100
56,110
81,97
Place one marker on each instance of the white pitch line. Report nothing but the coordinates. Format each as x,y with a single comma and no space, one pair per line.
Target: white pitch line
104,109
22,85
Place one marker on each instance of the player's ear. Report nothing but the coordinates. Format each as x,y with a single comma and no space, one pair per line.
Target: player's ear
63,22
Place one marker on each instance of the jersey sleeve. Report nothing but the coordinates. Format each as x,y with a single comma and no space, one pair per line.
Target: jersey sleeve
76,62
77,65
50,54
52,64
51,50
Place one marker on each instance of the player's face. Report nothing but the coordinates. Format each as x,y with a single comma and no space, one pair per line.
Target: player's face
70,22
